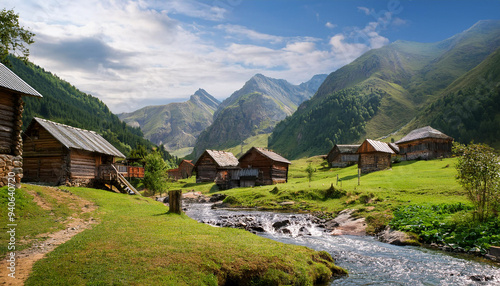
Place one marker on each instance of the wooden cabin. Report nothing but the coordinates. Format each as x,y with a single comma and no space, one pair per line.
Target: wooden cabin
374,156
186,168
184,171
214,165
174,174
425,143
60,154
343,156
12,89
273,168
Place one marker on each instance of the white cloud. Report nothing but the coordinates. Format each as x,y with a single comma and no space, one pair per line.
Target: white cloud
134,53
365,10
347,48
244,32
330,25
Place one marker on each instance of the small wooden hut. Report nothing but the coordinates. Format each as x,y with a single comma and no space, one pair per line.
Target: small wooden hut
214,165
12,89
186,168
374,156
60,154
184,171
425,143
273,168
342,156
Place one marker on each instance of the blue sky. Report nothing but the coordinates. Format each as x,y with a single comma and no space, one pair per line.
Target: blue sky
132,54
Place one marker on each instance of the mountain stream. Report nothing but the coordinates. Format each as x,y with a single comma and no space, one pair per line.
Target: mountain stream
368,261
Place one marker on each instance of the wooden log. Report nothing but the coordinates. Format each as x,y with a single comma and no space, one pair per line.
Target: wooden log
175,201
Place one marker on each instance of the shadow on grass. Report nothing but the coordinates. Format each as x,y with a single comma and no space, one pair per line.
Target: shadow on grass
161,214
213,189
346,178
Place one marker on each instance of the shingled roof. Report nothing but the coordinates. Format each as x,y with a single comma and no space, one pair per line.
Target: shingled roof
347,149
269,154
9,80
424,132
76,138
379,146
223,158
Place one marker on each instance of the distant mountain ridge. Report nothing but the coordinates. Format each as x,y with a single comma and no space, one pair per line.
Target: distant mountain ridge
175,125
254,109
382,90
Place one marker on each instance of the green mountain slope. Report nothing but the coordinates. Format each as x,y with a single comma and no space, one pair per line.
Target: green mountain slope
469,108
65,104
396,81
175,125
254,109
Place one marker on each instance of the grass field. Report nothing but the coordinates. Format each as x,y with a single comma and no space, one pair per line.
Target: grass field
136,242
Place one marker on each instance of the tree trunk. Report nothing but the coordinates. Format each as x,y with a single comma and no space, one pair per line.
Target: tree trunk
175,201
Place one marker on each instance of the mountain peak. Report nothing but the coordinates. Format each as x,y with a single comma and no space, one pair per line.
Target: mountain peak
204,100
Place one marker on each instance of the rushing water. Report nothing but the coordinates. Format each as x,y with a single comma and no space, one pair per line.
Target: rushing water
368,261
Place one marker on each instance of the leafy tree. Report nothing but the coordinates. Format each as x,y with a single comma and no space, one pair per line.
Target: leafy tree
13,38
479,174
155,173
310,171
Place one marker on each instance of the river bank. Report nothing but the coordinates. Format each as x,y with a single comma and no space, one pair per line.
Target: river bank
346,222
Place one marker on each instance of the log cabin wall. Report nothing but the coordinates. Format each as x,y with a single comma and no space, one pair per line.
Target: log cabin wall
186,169
206,169
11,146
270,172
375,161
279,173
428,148
83,167
44,157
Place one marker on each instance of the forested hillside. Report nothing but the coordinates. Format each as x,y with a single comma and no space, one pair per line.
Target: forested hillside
403,79
63,103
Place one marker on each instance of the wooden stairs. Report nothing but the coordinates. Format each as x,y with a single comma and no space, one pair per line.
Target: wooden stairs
112,178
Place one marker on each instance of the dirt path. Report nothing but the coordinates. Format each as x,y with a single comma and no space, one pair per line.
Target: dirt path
27,257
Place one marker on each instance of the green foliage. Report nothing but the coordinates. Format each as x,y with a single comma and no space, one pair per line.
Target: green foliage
478,172
155,173
447,224
310,171
13,38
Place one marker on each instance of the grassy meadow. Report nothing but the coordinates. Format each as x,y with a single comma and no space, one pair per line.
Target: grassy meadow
137,242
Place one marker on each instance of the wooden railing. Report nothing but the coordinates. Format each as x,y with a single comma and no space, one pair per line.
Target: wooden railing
130,171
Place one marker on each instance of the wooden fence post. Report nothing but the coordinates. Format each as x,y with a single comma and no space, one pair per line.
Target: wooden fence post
359,176
175,201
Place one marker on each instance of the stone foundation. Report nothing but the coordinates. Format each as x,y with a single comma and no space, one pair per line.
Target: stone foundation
9,165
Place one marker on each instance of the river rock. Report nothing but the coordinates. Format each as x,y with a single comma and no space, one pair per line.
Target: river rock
217,197
395,237
348,224
280,224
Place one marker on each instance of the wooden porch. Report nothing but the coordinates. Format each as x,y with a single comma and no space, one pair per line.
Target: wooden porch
110,176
